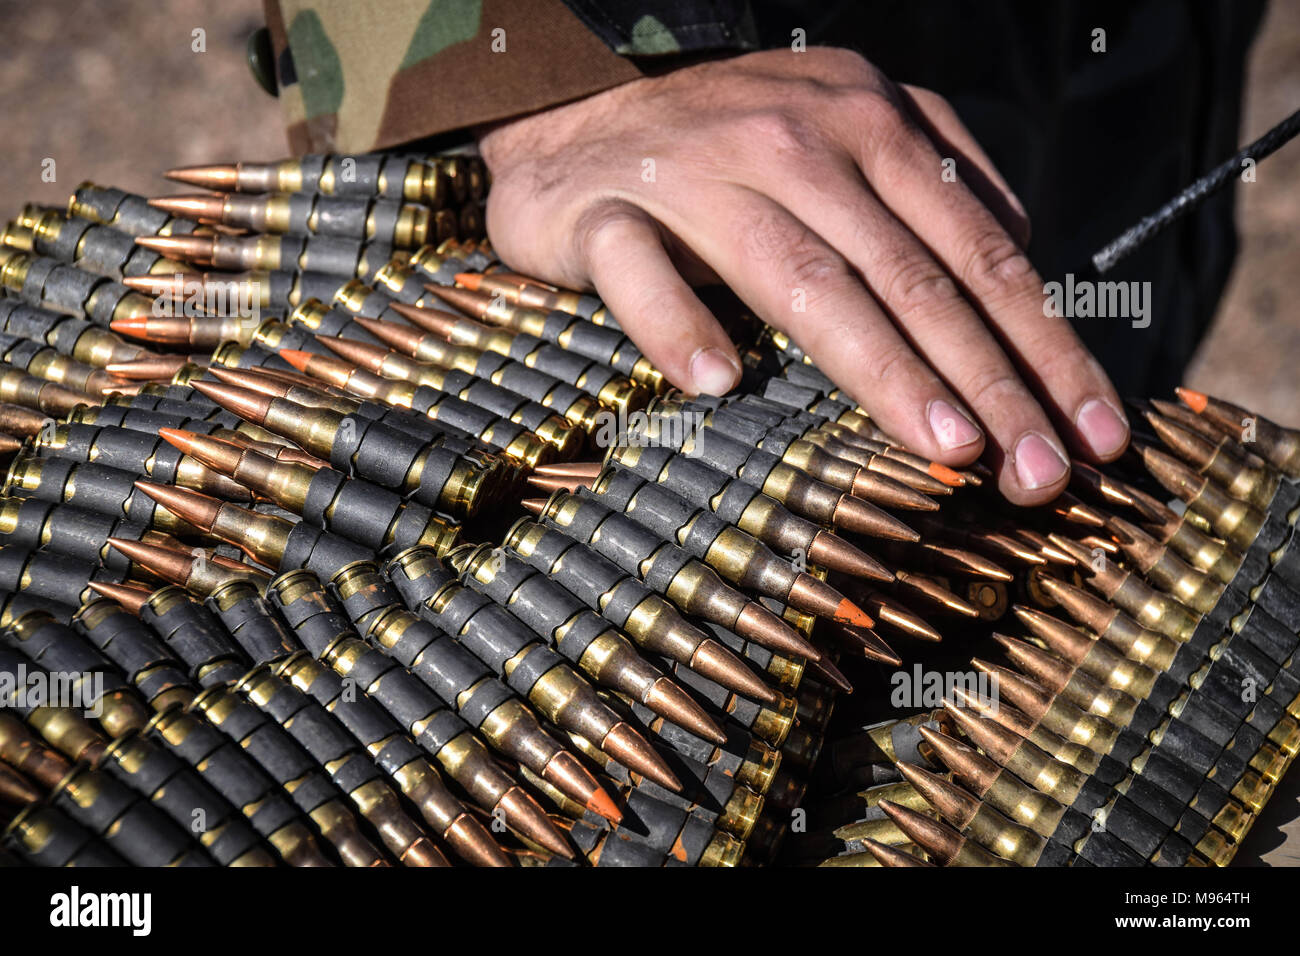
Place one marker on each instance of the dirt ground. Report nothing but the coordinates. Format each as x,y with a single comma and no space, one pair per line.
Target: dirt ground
117,92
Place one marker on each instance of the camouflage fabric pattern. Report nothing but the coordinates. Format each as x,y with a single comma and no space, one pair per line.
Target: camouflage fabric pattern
355,77
669,26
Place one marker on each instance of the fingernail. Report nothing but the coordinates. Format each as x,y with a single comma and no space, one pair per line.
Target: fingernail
1038,463
951,428
712,372
1101,427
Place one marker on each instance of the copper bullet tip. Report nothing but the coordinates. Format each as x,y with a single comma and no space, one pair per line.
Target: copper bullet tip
883,490
222,177
832,552
954,804
217,453
556,483
180,438
241,401
933,836
998,742
629,748
1005,544
258,380
172,566
170,285
361,354
1184,442
424,852
473,843
401,337
131,598
1176,477
826,672
962,760
719,664
149,368
1023,692
18,421
1005,642
1072,509
16,789
198,509
195,249
670,701
571,469
759,624
1100,484
534,505
1077,552
871,645
191,206
902,619
935,592
1063,639
1088,609
892,856
440,323
971,563
524,814
474,304
865,518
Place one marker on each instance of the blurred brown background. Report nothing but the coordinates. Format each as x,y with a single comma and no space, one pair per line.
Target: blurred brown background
115,92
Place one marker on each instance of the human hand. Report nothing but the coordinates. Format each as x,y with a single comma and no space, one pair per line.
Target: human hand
811,185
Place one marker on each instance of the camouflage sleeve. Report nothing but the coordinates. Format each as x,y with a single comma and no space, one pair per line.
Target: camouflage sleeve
659,27
355,77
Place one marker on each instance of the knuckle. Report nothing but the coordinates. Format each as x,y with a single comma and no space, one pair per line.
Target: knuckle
895,362
603,226
766,237
993,259
780,132
848,64
991,387
914,284
816,267
877,112
877,119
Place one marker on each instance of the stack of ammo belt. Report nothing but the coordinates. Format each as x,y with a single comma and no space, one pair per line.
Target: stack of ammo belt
328,540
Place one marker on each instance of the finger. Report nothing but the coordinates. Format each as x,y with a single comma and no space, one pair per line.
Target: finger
799,284
624,255
934,316
903,167
940,121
